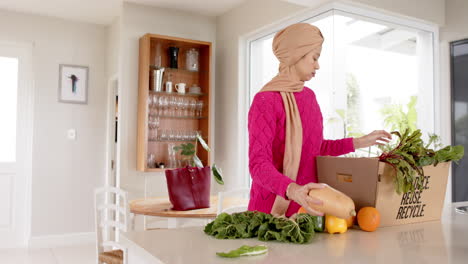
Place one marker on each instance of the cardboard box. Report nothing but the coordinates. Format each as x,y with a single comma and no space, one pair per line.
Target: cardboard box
370,182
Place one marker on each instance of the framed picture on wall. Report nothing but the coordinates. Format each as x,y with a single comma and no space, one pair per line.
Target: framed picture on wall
73,84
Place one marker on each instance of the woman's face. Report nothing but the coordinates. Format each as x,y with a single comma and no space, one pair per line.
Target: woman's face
307,66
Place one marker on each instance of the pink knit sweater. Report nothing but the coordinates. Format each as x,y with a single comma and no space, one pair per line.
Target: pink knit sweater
267,121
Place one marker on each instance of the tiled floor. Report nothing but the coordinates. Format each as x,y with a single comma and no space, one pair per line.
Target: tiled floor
83,254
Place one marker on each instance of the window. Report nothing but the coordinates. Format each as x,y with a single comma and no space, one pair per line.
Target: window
8,99
373,75
459,64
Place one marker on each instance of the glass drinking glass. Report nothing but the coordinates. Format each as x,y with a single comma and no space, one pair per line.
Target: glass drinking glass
157,121
150,134
155,134
187,106
160,105
182,106
171,135
192,63
173,105
155,104
181,103
193,106
150,161
199,108
168,106
163,135
163,102
150,103
171,154
186,135
178,105
179,135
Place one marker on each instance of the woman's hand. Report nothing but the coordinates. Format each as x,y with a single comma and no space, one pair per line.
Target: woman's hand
300,194
377,137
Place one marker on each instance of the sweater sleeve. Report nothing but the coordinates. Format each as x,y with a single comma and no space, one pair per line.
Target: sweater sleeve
336,147
262,127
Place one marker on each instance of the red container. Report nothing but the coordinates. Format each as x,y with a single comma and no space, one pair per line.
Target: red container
189,188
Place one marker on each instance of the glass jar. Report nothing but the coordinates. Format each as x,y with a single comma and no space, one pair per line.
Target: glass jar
192,59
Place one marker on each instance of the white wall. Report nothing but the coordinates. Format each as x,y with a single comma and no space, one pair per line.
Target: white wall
113,39
456,28
64,172
429,10
239,21
137,20
252,16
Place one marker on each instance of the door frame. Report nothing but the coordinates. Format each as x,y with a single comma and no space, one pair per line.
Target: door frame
24,148
111,147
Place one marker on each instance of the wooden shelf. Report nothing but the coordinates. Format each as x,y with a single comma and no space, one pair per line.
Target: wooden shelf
174,70
147,57
183,117
178,94
162,141
157,169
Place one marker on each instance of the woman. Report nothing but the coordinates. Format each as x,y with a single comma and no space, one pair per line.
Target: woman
286,128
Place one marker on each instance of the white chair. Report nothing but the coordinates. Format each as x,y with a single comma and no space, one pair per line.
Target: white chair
234,207
111,209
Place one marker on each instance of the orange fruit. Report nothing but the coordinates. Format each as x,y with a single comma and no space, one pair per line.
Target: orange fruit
350,221
302,211
368,219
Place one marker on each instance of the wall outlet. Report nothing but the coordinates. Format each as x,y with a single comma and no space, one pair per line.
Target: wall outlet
71,134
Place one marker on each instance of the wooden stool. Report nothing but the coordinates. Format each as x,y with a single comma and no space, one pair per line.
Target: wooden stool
111,257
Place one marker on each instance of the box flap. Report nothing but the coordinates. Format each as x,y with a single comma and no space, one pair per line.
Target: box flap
356,177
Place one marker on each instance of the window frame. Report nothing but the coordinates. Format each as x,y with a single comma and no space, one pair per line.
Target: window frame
314,14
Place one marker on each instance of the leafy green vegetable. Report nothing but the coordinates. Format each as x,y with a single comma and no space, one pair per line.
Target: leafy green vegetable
265,227
449,153
410,155
244,251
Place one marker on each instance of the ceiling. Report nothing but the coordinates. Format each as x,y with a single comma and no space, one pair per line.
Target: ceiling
104,11
203,7
93,11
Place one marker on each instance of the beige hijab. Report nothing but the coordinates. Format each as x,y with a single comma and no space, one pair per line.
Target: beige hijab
289,46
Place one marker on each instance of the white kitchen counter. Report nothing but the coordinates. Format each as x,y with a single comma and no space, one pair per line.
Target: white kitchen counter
443,241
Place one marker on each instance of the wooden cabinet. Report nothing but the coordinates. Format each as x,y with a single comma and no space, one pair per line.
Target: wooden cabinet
171,118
